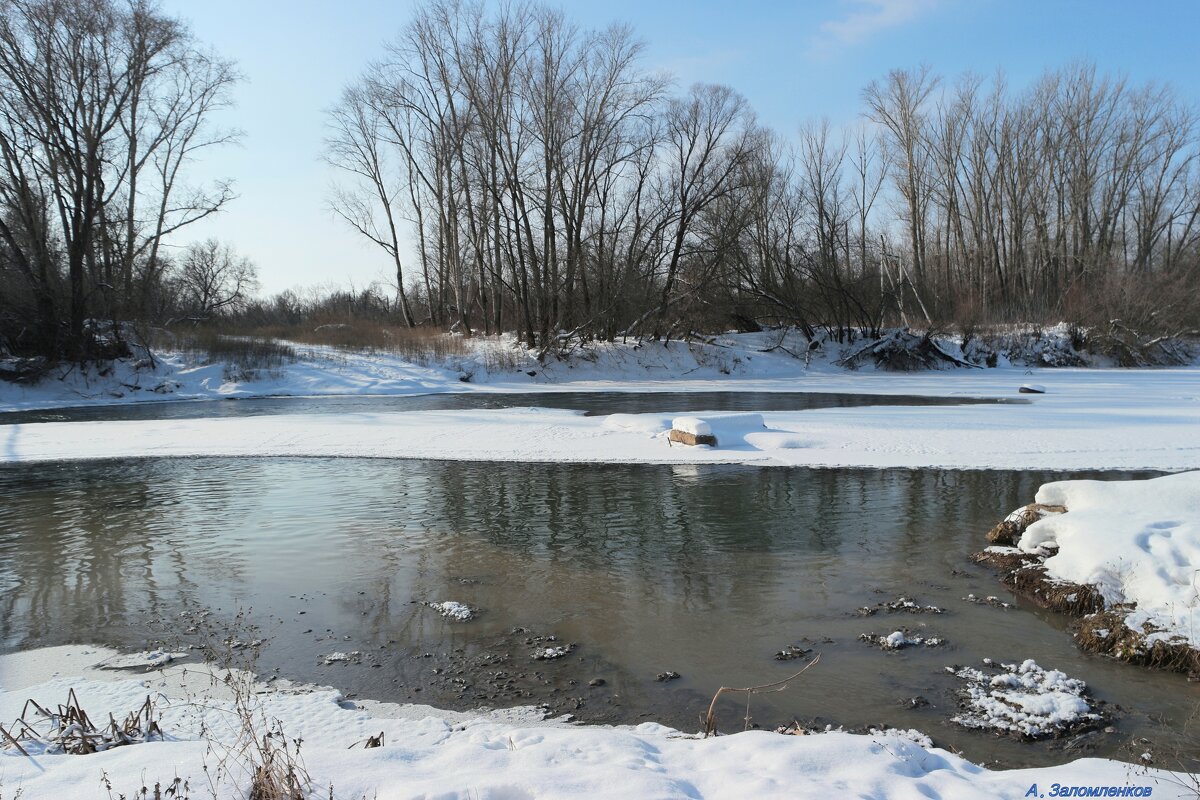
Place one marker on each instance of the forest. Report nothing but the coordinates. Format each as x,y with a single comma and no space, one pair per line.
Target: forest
519,173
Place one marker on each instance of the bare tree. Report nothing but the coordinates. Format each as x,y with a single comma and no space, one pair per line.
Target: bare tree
212,278
897,103
102,103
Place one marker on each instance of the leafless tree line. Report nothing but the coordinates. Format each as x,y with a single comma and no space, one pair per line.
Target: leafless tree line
103,105
554,186
1023,200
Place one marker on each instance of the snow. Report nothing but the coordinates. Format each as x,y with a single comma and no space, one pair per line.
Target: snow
458,756
1135,541
551,653
1088,419
456,611
693,425
898,640
1024,699
145,660
1145,421
767,361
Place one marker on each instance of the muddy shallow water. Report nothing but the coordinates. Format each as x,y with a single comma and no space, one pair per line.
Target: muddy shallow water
704,571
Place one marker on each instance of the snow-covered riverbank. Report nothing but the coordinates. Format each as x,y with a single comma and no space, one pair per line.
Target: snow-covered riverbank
735,362
428,753
1123,555
1089,419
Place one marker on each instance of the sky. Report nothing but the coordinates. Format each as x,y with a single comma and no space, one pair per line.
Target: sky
795,62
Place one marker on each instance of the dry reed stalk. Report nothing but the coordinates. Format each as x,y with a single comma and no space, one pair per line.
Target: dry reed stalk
710,719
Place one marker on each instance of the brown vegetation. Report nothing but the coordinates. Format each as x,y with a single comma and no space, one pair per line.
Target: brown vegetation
69,729
1008,531
1100,628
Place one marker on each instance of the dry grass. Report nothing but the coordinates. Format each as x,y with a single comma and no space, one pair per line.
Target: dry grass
1004,559
245,357
1025,575
366,336
271,347
710,719
1106,633
1100,630
70,730
1010,529
175,789
1075,599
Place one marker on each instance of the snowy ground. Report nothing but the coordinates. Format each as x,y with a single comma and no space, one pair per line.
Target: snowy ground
1088,419
431,754
751,362
1137,542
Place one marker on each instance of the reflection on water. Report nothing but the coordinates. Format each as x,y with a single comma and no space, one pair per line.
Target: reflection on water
706,570
589,402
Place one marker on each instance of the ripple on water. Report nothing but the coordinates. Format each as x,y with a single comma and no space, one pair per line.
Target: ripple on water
707,572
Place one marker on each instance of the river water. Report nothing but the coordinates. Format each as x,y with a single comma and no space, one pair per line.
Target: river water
592,403
705,571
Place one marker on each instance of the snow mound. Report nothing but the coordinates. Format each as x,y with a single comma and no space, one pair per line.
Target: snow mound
1024,700
551,653
1137,542
898,640
459,612
729,429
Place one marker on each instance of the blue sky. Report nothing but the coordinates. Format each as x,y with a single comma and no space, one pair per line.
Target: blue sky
795,61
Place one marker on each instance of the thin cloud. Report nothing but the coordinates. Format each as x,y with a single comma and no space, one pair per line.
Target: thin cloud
866,19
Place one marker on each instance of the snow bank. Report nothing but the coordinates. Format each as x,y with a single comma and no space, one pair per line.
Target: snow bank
730,430
1135,541
453,757
1140,423
769,360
